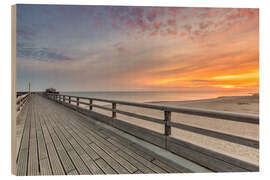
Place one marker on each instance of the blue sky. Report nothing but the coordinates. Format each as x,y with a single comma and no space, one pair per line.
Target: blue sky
97,48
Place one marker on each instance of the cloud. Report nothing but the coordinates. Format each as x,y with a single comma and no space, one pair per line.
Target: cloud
182,34
151,16
204,25
154,33
172,31
157,24
171,22
110,56
42,54
187,27
211,13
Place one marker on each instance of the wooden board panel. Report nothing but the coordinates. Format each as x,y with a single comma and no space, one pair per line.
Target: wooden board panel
58,141
65,159
203,159
56,165
128,158
164,166
135,162
234,164
105,167
22,159
75,158
115,165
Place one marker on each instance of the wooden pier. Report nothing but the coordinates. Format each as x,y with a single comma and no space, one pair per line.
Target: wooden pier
61,138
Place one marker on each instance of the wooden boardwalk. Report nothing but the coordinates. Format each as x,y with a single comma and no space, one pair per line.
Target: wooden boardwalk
58,141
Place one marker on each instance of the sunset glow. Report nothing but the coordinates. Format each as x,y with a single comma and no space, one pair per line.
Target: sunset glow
103,48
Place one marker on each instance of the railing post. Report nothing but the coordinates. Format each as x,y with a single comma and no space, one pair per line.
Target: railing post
167,130
69,99
90,104
78,101
19,105
167,118
113,108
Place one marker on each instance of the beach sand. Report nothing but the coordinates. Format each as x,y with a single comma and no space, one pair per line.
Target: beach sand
243,104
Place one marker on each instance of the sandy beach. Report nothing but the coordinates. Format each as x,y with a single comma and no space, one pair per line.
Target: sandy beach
242,104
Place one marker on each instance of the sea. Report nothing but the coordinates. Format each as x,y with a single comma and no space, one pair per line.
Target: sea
151,96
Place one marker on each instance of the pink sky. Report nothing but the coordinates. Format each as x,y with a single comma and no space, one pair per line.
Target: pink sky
139,48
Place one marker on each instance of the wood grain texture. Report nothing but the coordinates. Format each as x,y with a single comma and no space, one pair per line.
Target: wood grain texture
57,141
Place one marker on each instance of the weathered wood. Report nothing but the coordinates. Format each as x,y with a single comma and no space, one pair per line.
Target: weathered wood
23,150
108,148
115,156
115,165
44,162
143,133
147,118
218,135
56,165
77,161
164,166
167,119
60,141
240,117
90,104
162,141
113,108
105,167
33,168
207,158
78,101
61,151
136,163
101,107
119,159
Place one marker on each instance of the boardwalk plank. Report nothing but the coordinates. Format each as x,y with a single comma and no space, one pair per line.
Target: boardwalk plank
22,159
93,139
56,165
79,138
84,153
33,164
65,159
114,155
115,165
79,164
105,167
44,162
136,163
57,141
164,166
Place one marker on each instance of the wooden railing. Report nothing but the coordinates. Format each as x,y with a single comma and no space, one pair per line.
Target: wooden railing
21,101
165,140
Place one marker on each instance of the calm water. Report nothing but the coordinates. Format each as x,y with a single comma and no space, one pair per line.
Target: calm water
150,96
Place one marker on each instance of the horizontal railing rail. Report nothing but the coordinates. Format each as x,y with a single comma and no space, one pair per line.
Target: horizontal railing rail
21,101
166,120
240,117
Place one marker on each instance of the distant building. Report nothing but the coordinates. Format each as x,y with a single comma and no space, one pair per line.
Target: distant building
51,90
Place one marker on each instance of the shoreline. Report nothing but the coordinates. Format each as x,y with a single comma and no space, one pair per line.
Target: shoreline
241,104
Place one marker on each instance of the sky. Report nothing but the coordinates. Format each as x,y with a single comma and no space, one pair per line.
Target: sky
125,48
